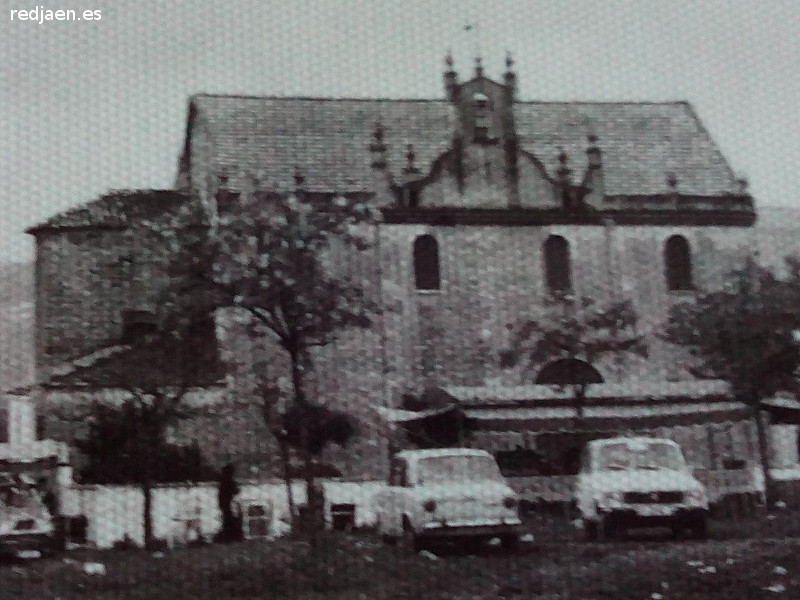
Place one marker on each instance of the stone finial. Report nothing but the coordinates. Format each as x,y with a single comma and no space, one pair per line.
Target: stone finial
450,78
672,180
478,66
593,153
564,171
378,146
742,184
410,157
299,179
510,78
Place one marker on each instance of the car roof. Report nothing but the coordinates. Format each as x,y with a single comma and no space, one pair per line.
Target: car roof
413,455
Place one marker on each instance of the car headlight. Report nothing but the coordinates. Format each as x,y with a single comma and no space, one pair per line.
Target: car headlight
429,505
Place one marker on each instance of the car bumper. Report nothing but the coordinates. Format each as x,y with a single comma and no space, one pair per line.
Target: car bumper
26,543
653,516
473,528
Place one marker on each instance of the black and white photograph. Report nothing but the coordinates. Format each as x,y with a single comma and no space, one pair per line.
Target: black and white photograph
373,300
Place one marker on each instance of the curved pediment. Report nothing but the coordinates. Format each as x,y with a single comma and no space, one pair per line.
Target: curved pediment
482,176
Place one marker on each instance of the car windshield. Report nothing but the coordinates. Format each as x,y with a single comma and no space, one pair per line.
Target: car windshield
443,469
650,456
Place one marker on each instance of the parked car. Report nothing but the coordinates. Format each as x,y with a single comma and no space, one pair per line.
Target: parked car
628,482
27,529
447,494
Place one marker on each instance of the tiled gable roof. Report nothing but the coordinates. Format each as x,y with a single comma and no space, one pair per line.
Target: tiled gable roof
641,143
116,209
328,139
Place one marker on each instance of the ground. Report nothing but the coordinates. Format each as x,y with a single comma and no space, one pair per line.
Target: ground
359,567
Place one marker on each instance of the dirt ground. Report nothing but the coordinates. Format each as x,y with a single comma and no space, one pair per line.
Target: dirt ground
360,567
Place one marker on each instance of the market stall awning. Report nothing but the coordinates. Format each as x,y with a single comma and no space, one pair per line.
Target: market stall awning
783,410
659,391
400,416
604,418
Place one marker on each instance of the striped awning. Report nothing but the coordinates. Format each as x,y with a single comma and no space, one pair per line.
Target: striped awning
782,410
628,391
603,418
397,415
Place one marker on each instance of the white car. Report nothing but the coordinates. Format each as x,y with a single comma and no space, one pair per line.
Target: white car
26,526
445,494
627,482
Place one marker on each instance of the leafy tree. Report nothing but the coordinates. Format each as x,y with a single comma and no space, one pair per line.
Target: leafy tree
151,376
745,334
325,426
111,449
275,257
575,331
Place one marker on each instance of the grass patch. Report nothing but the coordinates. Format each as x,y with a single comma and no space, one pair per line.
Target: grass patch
356,567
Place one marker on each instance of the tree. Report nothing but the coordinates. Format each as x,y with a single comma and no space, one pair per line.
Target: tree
151,377
110,448
279,259
324,425
744,334
575,333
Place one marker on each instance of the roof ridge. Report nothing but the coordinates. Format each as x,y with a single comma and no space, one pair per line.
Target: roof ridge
317,98
107,198
432,100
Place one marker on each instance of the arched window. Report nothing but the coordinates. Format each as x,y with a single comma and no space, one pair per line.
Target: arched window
678,263
564,371
426,263
557,270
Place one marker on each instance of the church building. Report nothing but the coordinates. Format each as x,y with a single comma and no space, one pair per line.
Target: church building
490,205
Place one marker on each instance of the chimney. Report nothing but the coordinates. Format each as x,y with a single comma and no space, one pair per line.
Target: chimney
450,79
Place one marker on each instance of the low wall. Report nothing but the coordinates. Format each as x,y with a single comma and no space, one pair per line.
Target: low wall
719,483
116,512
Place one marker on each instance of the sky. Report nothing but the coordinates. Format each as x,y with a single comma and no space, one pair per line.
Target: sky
90,106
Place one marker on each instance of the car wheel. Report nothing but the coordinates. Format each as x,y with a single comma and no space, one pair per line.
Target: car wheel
510,542
677,531
590,528
605,529
700,527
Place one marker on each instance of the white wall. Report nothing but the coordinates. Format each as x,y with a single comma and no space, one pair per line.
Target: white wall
115,512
